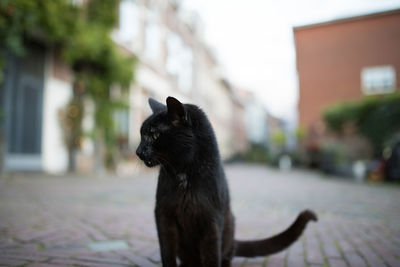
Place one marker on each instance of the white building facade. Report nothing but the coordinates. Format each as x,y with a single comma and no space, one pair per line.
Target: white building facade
173,61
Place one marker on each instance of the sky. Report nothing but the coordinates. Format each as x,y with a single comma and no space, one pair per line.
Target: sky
253,41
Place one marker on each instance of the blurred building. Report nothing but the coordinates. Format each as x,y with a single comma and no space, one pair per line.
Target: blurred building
256,121
344,60
260,124
173,61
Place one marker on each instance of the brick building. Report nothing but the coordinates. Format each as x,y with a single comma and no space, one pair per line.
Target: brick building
344,60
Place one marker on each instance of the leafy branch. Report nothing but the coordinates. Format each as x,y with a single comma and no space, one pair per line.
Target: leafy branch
82,35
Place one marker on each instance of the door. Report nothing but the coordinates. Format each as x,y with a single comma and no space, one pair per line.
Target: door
23,104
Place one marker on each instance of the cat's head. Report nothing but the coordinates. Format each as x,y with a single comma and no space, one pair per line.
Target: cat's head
166,136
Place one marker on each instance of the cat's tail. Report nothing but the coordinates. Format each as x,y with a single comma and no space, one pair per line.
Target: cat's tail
278,242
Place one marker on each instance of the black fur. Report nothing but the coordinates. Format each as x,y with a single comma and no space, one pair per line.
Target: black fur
193,215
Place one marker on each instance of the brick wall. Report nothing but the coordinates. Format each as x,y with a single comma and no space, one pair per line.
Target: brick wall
330,57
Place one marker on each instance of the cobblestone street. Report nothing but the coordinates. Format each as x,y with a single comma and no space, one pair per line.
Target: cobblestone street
86,221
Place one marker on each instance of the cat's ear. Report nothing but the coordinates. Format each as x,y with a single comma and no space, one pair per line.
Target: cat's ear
176,111
156,106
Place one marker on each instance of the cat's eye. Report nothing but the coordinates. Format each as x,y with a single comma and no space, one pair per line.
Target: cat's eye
155,136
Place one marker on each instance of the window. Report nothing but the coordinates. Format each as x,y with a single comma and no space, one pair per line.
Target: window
152,41
174,44
121,121
186,74
378,80
128,20
180,62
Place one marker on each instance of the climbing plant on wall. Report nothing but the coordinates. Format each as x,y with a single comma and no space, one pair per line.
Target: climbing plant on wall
376,117
82,33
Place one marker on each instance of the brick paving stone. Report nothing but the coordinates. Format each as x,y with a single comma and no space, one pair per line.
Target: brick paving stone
143,262
85,263
67,262
155,255
386,255
255,262
98,264
371,257
238,262
32,234
148,250
57,254
354,259
346,246
333,262
355,239
11,262
24,256
314,253
296,255
314,256
331,250
103,260
136,259
388,249
294,260
328,245
396,238
51,220
44,265
276,260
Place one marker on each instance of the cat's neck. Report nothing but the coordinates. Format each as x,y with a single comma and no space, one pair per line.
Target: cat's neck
201,166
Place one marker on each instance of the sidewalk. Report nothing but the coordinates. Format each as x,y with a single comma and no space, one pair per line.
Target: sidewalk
72,221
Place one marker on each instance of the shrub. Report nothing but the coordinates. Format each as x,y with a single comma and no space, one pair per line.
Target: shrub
257,153
377,118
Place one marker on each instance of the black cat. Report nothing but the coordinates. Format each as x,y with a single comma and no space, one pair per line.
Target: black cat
193,214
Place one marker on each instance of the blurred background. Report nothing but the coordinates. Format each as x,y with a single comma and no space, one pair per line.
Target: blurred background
303,96
313,84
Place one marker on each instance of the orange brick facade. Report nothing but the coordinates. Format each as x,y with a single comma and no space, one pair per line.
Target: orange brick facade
330,57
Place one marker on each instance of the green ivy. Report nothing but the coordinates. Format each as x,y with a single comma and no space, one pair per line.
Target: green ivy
377,118
50,21
82,34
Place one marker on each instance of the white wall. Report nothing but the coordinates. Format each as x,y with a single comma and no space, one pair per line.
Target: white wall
56,95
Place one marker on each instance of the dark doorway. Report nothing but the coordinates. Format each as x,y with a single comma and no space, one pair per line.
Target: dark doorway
22,105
